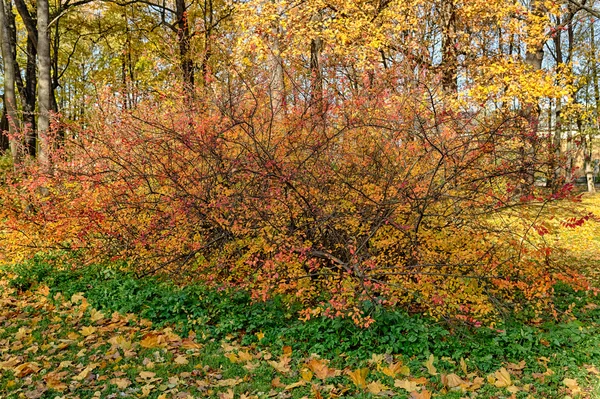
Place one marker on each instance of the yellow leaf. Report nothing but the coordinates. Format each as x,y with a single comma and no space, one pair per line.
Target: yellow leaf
147,374
87,331
572,385
429,364
513,389
283,365
359,377
287,351
424,394
376,388
121,383
96,315
396,368
452,380
260,335
181,360
306,374
295,385
245,356
233,358
229,382
227,395
320,369
463,366
25,369
502,378
152,341
85,372
376,359
407,385
516,366
77,297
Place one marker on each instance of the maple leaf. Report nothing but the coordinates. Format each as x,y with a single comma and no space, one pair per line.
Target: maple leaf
88,330
429,365
573,385
452,381
424,394
26,369
85,372
152,341
121,383
283,365
377,388
227,395
229,382
359,377
407,385
396,368
294,385
463,366
306,374
321,370
502,378
181,360
96,315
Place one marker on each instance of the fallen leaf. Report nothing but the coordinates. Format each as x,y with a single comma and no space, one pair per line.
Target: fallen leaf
181,360
229,382
572,385
407,385
463,366
306,374
227,395
152,341
245,356
502,378
96,315
283,365
376,388
424,394
88,330
396,368
121,383
516,366
429,364
295,385
321,370
85,372
359,377
452,381
276,383
147,375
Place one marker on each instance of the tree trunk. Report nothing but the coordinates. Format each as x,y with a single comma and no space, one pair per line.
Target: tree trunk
44,83
449,64
316,75
10,99
183,37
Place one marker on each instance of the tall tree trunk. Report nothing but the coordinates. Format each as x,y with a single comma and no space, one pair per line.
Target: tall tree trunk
10,99
587,158
183,37
316,74
534,57
449,64
44,83
277,82
29,99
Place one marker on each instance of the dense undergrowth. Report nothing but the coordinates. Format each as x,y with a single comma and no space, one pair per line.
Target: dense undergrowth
571,335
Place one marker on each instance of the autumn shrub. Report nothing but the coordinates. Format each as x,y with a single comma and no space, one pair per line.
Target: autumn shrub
397,198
